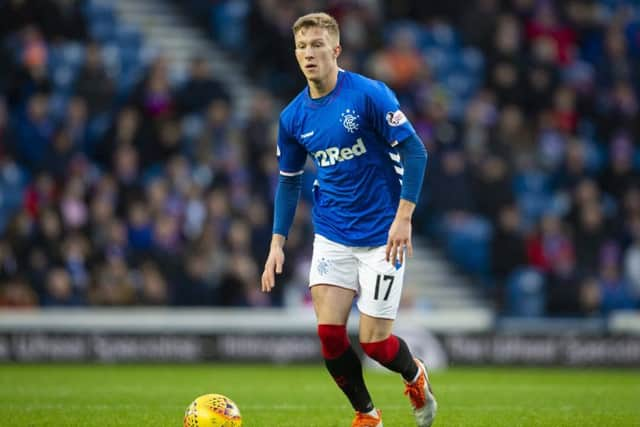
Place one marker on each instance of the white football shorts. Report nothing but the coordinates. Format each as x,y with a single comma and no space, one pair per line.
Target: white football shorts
377,282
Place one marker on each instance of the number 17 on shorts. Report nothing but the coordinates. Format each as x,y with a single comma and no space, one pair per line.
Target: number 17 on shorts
380,284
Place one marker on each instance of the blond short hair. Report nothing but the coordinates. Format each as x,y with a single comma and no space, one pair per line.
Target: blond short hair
318,19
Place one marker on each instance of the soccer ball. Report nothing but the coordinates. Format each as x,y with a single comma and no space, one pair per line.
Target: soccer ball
212,410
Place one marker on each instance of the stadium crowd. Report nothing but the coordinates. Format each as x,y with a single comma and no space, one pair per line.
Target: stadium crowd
156,193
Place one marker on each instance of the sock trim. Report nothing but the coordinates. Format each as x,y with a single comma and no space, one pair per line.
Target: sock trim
333,340
382,351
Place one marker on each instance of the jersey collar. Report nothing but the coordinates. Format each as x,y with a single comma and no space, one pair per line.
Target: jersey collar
324,100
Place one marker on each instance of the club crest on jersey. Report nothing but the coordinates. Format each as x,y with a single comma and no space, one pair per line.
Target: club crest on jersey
349,120
396,118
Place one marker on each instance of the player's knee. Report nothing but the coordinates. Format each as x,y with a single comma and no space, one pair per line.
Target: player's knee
382,351
334,340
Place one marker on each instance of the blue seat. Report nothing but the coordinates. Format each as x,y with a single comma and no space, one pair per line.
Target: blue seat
64,78
103,31
441,61
445,36
128,37
73,54
129,58
102,23
396,26
468,244
460,84
525,293
58,104
472,59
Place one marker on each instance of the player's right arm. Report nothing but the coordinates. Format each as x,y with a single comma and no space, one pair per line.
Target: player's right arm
275,261
291,158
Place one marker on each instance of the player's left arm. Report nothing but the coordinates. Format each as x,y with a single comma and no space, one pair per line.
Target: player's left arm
393,126
414,161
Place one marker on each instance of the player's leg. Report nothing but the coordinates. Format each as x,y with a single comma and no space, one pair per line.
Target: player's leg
380,292
332,305
333,281
381,345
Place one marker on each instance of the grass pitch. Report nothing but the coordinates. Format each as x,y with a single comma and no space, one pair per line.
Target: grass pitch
304,396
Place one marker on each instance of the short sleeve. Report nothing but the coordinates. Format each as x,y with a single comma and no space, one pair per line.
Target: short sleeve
291,155
385,114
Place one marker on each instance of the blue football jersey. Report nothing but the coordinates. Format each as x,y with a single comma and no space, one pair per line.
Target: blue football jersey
350,134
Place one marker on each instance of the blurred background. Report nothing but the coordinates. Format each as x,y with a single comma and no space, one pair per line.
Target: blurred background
138,167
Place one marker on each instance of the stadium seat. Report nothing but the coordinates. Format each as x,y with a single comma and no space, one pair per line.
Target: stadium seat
525,293
468,244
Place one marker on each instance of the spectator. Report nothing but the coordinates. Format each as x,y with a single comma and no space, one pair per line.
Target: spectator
542,245
200,88
93,83
8,262
154,97
196,287
64,20
574,168
492,188
126,131
616,65
154,289
508,251
565,115
139,227
506,62
60,155
166,144
237,284
113,283
59,291
615,292
590,297
621,110
479,21
75,255
7,135
50,234
590,235
632,258
620,175
511,135
19,234
564,282
59,19
73,209
450,184
102,214
16,293
34,132
31,77
13,180
115,247
540,82
15,15
399,63
126,170
546,26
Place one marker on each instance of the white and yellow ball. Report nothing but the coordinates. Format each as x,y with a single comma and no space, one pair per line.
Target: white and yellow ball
212,410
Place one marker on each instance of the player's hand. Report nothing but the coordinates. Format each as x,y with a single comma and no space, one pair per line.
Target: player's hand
399,240
273,266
